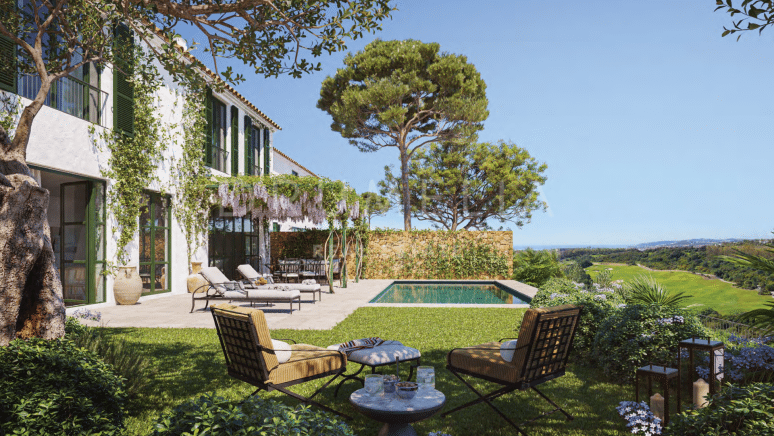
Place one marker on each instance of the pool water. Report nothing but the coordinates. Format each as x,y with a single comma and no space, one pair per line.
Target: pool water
437,292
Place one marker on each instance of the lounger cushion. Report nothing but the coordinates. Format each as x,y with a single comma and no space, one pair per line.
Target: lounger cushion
306,361
484,359
271,294
302,287
282,350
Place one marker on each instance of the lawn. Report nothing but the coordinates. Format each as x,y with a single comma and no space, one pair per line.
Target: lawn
718,295
190,363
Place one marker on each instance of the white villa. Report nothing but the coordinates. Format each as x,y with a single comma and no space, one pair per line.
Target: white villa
65,160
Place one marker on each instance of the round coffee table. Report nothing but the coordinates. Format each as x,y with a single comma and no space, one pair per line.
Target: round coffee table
397,414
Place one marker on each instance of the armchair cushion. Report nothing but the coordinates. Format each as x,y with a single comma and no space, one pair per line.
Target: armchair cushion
484,359
307,361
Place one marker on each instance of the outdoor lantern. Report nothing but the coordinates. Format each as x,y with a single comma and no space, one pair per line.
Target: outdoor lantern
717,354
664,376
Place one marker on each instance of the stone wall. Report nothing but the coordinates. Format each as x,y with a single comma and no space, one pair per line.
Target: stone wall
413,255
437,254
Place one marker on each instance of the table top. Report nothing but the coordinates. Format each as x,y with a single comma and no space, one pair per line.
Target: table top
426,402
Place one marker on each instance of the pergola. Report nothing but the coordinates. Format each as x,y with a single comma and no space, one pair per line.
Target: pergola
287,197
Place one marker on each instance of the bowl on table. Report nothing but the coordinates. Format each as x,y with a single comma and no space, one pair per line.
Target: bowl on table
389,383
406,390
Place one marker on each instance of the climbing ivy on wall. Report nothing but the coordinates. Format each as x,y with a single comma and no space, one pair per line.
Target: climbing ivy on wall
437,255
191,202
134,158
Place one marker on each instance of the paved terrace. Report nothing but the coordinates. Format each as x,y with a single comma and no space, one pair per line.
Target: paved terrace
172,311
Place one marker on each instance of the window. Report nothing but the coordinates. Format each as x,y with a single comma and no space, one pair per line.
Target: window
252,148
294,172
217,120
233,241
155,244
275,227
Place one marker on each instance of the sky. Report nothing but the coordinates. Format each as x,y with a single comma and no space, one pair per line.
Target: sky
653,126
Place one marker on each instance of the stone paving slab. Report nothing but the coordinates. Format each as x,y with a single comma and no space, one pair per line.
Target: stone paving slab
172,310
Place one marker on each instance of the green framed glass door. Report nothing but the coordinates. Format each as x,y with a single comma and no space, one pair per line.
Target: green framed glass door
155,244
82,247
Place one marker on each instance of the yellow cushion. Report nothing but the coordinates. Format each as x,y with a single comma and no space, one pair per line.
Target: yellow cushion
484,359
307,361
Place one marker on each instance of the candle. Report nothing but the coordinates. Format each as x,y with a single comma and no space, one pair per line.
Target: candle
700,390
657,405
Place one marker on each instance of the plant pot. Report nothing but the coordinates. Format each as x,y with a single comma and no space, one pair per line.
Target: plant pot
127,287
196,267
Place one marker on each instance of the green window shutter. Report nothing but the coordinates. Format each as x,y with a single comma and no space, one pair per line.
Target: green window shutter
234,141
123,93
208,102
248,147
266,151
7,64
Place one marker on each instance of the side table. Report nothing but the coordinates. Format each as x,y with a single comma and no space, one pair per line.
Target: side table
397,414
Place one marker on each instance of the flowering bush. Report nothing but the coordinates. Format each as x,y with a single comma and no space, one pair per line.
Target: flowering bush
639,418
597,306
745,410
636,335
746,360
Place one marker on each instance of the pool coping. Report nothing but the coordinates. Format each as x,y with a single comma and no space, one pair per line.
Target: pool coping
521,288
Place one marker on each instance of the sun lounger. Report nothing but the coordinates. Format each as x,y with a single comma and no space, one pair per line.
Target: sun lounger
219,287
251,275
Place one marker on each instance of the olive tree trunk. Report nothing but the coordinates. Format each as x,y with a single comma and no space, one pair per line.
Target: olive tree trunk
31,303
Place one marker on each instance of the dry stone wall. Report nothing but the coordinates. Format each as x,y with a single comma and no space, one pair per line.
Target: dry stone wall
423,254
468,255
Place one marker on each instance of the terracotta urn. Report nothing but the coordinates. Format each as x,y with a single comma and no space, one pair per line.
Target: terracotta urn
127,286
195,281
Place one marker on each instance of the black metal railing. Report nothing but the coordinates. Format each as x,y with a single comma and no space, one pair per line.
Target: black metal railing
69,95
730,327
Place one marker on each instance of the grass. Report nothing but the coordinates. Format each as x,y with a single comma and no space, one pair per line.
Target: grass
190,363
715,294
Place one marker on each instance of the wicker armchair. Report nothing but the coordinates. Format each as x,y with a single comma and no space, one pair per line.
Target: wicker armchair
541,353
251,358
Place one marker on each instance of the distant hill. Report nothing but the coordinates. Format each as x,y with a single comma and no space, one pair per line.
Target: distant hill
685,243
644,246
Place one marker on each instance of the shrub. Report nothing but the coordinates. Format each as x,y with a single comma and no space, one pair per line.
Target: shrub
535,267
133,367
745,410
55,388
215,416
746,361
640,334
597,307
646,290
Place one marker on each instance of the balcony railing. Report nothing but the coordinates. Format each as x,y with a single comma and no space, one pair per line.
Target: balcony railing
69,95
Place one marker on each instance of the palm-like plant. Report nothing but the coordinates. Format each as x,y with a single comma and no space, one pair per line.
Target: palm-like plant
762,319
646,290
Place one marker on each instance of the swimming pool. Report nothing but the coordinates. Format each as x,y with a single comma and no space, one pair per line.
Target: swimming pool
449,292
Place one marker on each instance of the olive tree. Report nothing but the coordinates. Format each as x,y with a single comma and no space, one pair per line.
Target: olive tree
404,94
56,37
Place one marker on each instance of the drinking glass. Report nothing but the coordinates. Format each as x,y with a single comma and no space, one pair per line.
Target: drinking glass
374,384
426,378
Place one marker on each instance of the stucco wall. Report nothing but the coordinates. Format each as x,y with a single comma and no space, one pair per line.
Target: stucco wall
63,143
